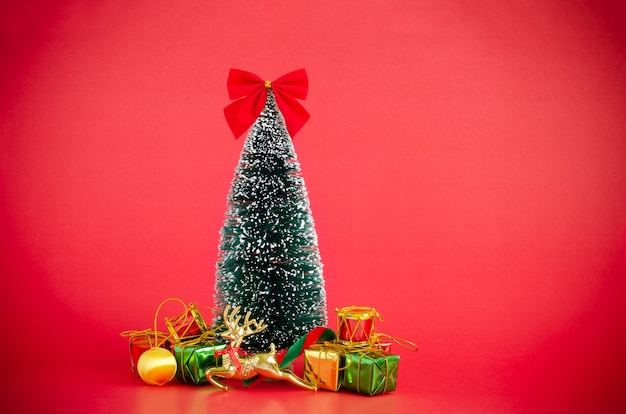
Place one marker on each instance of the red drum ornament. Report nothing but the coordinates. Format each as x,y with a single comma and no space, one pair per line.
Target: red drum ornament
356,323
190,323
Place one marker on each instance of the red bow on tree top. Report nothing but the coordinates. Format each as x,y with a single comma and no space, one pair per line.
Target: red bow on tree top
252,90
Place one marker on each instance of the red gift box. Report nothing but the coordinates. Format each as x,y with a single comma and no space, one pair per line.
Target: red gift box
140,341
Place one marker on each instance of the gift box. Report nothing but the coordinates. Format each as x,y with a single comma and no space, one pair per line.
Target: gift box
323,366
193,361
371,373
140,341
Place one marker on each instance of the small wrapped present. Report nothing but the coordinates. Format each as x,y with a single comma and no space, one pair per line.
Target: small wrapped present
371,373
140,341
356,324
323,366
194,360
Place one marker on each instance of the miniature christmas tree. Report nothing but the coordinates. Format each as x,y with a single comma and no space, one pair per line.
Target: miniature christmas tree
269,261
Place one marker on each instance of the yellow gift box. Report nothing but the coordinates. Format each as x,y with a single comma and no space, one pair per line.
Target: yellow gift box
323,366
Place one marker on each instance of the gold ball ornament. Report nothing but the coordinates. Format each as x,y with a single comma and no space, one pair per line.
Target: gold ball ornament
156,366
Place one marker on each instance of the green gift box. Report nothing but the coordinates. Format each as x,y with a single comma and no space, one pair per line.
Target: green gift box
371,373
192,361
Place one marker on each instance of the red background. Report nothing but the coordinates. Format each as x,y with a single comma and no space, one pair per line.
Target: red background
465,161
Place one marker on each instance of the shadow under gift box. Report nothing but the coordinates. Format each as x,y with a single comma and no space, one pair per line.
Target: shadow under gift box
193,361
371,373
323,368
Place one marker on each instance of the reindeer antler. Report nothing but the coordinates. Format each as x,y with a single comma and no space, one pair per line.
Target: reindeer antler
249,327
230,320
227,317
258,326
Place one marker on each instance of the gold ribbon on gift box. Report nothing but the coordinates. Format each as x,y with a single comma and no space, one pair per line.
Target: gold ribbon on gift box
377,338
155,338
207,338
372,346
317,370
372,354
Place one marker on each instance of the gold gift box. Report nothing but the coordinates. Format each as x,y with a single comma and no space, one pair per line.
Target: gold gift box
323,367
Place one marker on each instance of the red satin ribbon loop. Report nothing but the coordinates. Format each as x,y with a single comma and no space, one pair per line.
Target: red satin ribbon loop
251,92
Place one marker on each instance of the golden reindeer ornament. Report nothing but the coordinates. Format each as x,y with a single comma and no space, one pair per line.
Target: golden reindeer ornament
234,366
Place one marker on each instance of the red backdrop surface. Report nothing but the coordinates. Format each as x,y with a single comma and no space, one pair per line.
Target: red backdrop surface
465,161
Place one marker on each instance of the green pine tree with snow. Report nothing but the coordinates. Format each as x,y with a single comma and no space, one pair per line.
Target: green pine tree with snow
269,261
